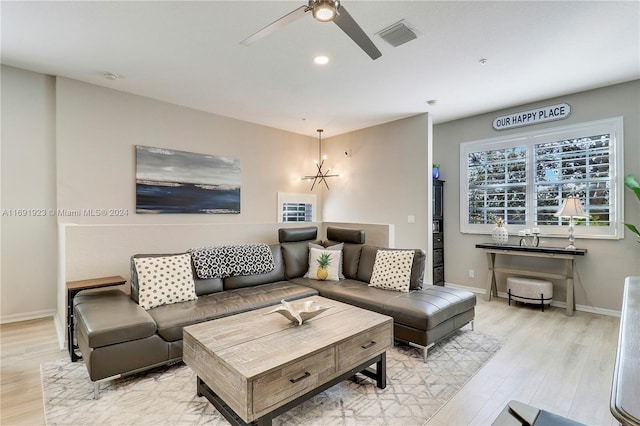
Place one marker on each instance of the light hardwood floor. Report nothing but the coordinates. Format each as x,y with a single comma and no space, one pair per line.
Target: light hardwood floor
551,361
558,363
23,347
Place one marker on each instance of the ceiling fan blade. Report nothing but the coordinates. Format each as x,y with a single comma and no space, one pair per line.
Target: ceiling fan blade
353,30
276,25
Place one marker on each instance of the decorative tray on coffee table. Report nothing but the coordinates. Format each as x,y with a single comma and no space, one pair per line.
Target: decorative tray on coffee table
299,312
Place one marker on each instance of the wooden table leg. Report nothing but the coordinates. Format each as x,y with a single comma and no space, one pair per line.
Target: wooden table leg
491,277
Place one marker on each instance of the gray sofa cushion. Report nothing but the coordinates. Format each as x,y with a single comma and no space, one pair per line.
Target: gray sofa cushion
296,258
211,285
292,235
344,235
420,309
353,240
170,319
427,308
109,317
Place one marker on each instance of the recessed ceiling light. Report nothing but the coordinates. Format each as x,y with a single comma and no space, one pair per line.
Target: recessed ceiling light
110,76
321,60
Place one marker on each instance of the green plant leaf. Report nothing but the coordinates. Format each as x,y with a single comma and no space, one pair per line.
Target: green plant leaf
633,229
631,183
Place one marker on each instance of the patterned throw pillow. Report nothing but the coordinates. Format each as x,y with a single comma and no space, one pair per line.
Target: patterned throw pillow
164,280
392,270
249,259
337,247
332,257
210,262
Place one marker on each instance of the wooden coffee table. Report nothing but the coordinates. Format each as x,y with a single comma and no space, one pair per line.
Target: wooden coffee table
253,367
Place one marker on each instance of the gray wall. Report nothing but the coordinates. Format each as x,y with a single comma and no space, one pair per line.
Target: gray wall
386,180
98,128
29,236
68,145
601,274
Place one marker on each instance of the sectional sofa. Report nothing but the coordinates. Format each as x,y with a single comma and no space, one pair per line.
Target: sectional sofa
117,336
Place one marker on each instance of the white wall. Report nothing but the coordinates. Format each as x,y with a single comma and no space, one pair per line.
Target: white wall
386,179
29,243
98,128
601,273
68,145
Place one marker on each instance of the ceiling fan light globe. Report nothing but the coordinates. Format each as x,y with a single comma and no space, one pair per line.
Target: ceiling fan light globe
325,10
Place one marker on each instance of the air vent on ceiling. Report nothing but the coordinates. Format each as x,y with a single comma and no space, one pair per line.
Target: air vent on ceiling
398,33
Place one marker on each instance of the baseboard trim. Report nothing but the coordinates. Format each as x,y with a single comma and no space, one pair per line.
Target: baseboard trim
555,303
464,287
6,319
60,331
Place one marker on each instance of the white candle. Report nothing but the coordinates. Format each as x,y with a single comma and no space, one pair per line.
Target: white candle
536,230
521,233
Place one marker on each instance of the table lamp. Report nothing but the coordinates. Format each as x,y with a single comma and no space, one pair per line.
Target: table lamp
571,207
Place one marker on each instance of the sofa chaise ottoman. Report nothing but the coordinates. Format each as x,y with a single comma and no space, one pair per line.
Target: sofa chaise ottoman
421,317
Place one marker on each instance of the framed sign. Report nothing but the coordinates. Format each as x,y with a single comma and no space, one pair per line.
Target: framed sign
533,116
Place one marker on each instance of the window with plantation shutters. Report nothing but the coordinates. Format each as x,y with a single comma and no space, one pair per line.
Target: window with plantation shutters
296,207
497,185
522,179
574,167
297,212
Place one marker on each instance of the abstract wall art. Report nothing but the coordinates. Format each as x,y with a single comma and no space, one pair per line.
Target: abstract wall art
170,181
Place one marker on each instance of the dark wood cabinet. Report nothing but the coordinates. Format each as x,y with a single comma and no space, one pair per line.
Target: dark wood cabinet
438,232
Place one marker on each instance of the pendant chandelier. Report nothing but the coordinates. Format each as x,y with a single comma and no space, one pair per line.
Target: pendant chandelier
320,176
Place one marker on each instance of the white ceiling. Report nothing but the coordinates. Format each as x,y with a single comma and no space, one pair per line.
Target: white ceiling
189,53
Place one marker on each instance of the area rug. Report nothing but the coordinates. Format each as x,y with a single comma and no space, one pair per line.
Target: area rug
167,396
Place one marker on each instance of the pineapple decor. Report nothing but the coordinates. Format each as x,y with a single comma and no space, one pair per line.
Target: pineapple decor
500,235
323,263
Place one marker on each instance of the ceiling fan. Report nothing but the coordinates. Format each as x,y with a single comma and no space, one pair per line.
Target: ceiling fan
323,11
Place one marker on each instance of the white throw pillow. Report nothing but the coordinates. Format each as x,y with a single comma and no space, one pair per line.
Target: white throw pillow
338,247
392,270
164,280
335,257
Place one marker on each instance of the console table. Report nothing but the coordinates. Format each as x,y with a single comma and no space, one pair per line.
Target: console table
568,256
75,287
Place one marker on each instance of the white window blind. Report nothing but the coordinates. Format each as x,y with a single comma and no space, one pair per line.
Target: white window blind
577,167
296,207
523,179
297,212
497,185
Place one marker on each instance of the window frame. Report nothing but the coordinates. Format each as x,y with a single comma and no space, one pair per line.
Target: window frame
285,198
613,126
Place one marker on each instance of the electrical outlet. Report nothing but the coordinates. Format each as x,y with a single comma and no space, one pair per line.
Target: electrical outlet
411,219
472,273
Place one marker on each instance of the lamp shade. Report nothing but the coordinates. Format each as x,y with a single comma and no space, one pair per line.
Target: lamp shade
571,207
